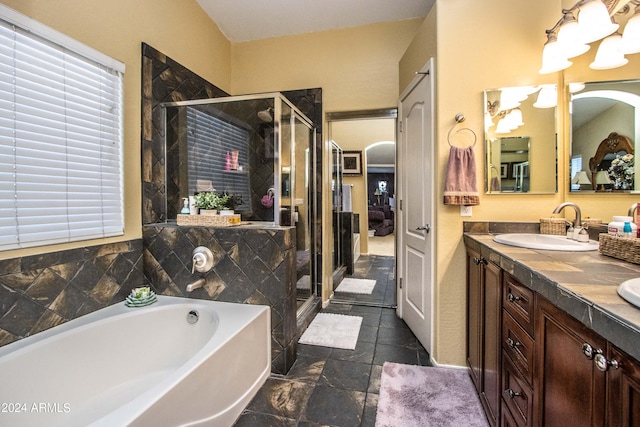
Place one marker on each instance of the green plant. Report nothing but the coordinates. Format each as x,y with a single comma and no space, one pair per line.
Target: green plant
224,202
207,200
229,201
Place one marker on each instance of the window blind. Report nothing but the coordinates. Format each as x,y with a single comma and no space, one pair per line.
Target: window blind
209,139
60,140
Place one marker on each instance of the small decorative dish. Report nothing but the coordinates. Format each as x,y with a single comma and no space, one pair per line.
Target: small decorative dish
140,297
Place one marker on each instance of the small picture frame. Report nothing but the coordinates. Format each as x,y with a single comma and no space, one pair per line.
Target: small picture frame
504,170
352,162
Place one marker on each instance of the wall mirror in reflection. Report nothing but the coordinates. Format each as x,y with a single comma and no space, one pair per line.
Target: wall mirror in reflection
520,140
605,127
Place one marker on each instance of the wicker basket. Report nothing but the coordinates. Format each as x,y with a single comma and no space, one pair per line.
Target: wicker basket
624,248
556,226
208,220
589,222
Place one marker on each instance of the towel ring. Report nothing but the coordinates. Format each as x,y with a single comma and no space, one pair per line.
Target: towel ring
459,118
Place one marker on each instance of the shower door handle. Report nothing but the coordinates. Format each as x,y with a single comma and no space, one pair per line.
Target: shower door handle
425,227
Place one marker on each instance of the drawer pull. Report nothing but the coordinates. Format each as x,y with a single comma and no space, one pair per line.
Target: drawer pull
513,344
513,394
588,351
513,298
603,364
479,261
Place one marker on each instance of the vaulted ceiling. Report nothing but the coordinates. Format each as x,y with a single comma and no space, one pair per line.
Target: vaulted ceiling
246,20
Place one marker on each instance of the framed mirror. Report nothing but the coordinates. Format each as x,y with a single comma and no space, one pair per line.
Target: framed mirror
521,140
605,128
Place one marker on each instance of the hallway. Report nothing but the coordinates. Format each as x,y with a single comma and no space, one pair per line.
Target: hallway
334,387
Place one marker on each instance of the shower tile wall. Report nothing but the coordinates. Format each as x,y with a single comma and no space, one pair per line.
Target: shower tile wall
252,266
163,80
41,291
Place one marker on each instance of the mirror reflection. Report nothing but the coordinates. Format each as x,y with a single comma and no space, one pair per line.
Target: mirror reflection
605,118
520,138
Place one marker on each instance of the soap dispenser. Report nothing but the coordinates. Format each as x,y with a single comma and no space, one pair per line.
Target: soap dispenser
185,206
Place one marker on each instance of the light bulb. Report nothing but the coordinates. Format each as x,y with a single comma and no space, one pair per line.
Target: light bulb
631,35
552,58
609,54
547,98
570,43
594,21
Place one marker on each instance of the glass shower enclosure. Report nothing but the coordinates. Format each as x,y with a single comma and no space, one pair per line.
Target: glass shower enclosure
258,149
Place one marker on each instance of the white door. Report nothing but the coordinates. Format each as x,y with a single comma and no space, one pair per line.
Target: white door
415,172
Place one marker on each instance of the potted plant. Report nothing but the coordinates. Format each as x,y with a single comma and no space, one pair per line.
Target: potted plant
207,202
228,202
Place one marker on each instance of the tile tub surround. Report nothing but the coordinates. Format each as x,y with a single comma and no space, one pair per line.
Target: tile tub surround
584,284
251,265
38,292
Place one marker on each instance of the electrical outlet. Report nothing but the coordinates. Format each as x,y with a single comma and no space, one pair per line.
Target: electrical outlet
465,210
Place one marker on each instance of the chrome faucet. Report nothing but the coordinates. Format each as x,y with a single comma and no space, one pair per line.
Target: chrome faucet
202,262
578,222
633,209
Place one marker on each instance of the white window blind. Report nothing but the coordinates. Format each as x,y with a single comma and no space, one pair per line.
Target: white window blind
60,138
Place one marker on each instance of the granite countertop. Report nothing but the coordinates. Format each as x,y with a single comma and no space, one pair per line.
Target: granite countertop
584,284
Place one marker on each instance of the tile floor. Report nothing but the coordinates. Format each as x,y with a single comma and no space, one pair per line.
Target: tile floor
334,387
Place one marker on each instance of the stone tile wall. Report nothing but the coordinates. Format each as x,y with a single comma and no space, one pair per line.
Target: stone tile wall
243,273
251,266
41,291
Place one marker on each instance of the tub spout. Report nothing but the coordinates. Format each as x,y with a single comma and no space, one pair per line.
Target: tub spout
578,223
197,284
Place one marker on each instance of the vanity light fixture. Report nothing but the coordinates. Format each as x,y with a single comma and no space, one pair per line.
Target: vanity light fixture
609,53
570,37
631,34
510,120
547,97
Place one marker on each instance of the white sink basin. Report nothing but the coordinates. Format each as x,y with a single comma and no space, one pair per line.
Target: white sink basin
546,242
630,291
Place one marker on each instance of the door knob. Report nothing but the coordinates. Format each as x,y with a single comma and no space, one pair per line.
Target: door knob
426,228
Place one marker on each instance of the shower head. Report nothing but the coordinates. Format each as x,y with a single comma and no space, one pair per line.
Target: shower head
265,115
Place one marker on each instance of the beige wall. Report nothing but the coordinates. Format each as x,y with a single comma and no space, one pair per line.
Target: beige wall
479,45
117,28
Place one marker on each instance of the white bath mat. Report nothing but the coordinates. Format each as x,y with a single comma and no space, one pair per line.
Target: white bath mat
333,330
304,282
356,286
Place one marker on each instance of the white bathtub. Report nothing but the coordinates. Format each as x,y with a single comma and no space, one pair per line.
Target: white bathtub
146,366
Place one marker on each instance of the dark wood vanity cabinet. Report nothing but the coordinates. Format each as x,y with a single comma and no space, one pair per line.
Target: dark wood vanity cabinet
535,365
569,388
517,351
483,331
623,389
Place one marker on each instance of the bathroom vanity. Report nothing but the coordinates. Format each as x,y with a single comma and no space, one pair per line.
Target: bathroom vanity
549,341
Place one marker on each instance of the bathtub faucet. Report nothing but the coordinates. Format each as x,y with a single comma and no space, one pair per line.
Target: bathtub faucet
197,284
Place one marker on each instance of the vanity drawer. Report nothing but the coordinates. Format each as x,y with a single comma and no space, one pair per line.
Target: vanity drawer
517,300
518,345
517,395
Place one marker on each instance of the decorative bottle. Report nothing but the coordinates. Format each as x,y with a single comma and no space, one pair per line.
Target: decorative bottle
185,206
227,162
